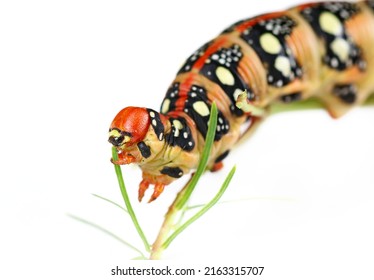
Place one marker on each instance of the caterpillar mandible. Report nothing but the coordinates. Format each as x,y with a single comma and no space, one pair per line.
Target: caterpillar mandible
322,50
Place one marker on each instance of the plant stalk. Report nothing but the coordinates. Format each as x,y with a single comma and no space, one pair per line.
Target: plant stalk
167,225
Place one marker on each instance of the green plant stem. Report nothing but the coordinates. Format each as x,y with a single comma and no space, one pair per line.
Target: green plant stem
167,226
202,211
308,104
184,195
127,201
370,101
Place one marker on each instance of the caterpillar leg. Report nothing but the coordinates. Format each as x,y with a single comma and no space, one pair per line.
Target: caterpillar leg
343,97
256,114
143,186
217,166
246,105
159,188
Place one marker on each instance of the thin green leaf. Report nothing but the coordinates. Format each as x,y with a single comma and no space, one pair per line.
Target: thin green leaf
370,101
139,258
127,201
110,201
204,158
202,211
311,103
244,199
107,232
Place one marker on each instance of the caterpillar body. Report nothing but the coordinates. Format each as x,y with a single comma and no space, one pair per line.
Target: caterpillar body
322,50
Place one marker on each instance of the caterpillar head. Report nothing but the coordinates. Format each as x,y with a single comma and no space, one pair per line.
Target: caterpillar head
129,127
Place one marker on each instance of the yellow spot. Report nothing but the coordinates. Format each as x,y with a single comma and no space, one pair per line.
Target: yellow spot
270,43
178,126
126,139
283,64
114,133
225,76
330,23
165,106
201,108
341,48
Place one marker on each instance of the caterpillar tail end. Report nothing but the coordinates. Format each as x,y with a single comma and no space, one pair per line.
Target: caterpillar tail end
244,104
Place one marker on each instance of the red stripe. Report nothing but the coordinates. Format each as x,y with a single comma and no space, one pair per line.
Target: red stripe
186,85
183,92
252,22
307,5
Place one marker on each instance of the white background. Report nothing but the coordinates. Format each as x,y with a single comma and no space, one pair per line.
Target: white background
305,181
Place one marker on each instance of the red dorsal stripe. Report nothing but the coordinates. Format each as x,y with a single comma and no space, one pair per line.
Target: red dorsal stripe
243,26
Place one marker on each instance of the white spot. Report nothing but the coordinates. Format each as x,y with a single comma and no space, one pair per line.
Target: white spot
201,108
362,64
154,123
279,83
215,56
330,23
185,135
225,76
334,62
178,126
283,64
341,48
237,92
220,120
152,114
270,43
190,143
269,26
165,106
161,136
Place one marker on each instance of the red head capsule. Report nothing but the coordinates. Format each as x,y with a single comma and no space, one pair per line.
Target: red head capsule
130,125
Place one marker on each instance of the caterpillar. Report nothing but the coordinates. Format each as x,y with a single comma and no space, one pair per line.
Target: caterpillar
322,50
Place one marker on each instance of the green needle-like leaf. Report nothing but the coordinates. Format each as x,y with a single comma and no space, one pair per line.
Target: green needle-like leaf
204,158
370,101
110,201
202,211
127,200
107,232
